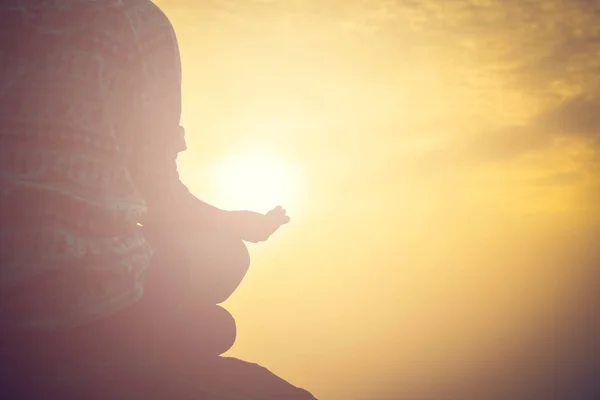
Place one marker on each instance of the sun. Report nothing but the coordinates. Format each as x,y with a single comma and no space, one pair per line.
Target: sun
255,179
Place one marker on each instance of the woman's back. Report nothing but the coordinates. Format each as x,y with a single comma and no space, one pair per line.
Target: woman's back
69,244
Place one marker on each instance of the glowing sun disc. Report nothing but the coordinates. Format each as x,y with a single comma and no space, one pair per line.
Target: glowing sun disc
255,180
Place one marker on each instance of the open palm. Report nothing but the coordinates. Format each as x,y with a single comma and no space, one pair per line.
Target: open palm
256,227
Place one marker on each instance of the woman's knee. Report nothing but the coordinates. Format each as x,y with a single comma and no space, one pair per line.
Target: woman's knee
213,331
225,335
199,334
240,256
217,268
232,253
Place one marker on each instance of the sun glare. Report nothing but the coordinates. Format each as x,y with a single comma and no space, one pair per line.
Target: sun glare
256,180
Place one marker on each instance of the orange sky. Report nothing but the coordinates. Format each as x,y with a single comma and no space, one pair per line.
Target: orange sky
445,214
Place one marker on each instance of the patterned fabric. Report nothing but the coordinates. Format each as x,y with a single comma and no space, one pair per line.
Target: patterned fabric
89,115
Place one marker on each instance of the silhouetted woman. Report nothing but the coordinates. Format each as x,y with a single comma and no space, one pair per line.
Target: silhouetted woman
90,94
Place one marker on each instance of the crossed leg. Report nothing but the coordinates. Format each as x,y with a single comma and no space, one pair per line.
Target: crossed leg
217,265
194,273
178,318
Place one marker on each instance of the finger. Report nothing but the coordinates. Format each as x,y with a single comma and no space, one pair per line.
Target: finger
277,210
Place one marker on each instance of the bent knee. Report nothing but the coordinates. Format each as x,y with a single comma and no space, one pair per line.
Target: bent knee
217,329
227,336
222,256
218,249
240,254
217,268
200,333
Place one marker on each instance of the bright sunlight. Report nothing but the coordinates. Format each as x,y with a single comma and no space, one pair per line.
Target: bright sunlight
255,179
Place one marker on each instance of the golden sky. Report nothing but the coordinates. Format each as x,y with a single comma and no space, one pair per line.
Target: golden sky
447,158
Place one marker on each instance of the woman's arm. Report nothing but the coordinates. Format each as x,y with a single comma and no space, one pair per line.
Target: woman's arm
157,138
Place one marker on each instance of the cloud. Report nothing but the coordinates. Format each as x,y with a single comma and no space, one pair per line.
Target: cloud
578,115
575,117
558,179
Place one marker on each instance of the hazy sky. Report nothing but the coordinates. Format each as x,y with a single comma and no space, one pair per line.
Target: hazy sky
446,209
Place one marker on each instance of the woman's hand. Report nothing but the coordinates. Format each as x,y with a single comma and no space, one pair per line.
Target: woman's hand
255,227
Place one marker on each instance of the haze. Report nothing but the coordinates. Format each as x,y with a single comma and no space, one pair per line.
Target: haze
444,211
